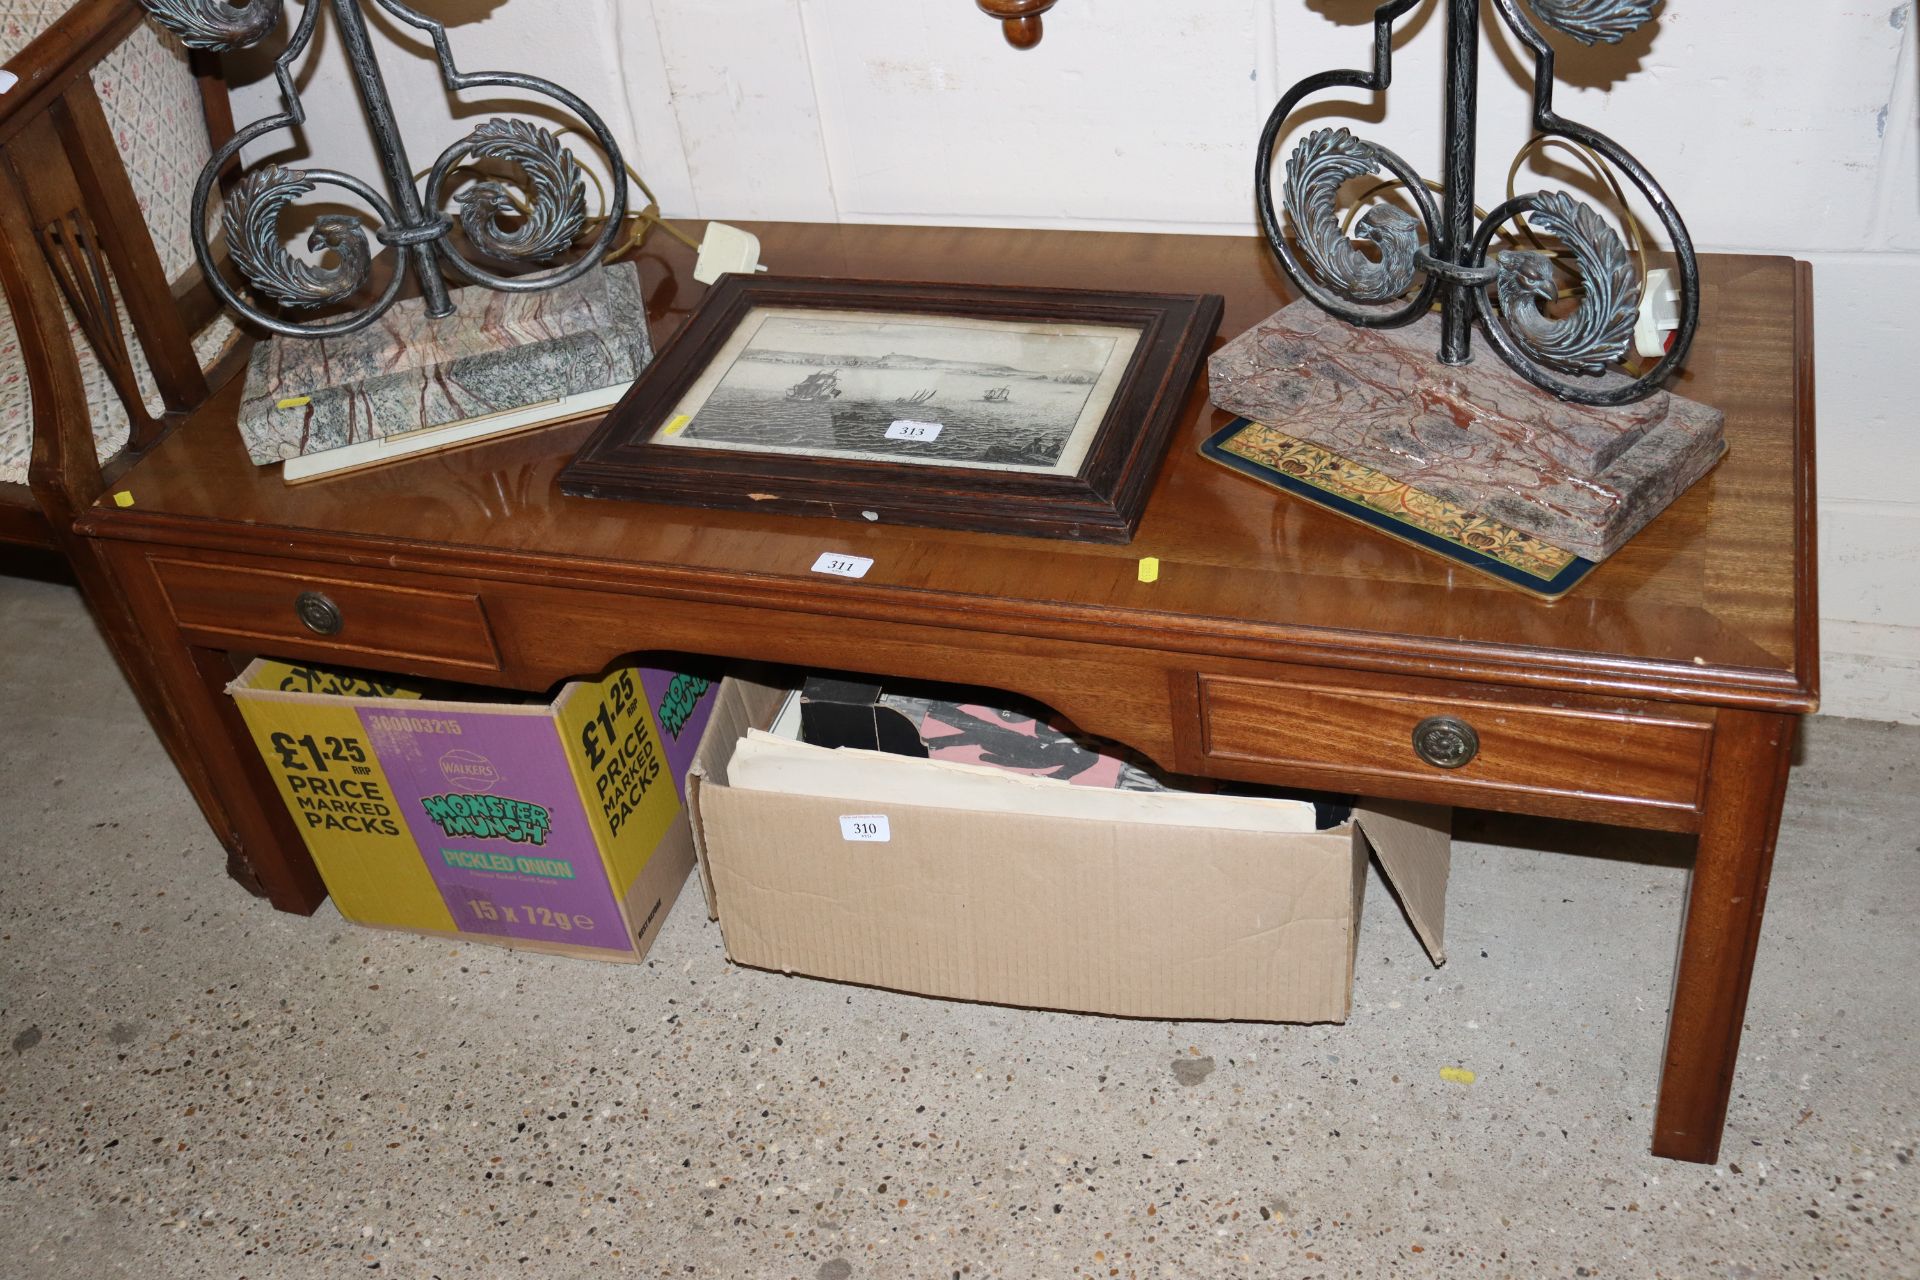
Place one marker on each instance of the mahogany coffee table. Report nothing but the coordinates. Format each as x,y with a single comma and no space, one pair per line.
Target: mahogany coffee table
1280,643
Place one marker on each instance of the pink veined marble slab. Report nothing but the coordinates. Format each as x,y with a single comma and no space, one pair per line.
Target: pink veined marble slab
405,372
1583,479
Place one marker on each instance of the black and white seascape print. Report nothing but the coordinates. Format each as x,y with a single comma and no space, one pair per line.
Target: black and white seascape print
984,394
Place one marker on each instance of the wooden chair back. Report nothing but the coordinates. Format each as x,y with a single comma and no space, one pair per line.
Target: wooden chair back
72,236
72,233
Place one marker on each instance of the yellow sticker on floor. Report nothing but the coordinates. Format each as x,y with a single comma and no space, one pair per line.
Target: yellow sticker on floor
1149,568
1457,1075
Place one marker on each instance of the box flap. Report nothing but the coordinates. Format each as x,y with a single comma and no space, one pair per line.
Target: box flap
613,736
741,705
256,676
1415,846
272,676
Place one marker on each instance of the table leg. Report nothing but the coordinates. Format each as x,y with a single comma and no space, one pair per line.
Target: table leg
110,614
1726,895
265,850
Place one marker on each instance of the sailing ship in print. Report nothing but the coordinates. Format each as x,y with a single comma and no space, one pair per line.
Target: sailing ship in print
1004,394
1035,452
824,385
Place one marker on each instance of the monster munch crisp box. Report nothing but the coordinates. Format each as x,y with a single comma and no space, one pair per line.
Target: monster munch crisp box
553,826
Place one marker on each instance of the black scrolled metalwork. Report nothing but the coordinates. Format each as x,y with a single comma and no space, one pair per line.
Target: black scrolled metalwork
1336,276
1551,124
411,223
483,142
1376,81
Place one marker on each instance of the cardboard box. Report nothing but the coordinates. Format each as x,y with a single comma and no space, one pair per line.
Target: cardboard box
556,827
999,894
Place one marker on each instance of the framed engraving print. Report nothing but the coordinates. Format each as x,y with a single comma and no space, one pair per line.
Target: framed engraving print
1029,411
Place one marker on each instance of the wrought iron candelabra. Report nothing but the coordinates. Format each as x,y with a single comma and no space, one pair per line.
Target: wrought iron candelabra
410,220
1442,253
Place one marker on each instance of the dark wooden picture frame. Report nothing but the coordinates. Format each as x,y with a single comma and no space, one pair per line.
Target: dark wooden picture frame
1100,502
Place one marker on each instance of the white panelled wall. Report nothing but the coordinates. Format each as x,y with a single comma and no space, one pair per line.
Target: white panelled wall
1776,125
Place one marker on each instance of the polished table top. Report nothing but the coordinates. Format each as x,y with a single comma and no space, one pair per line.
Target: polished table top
1712,603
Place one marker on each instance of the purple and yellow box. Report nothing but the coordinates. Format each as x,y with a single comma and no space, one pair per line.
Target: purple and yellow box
555,826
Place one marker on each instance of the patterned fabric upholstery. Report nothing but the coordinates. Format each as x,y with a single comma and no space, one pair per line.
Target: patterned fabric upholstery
152,104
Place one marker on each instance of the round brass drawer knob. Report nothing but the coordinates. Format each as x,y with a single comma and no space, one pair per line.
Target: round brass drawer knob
319,614
1445,741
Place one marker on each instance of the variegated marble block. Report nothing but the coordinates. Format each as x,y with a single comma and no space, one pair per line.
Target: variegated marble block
496,352
1477,435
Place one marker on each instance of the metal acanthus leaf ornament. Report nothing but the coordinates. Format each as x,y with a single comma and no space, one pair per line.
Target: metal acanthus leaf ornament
252,222
1319,165
216,24
558,211
1595,21
1601,328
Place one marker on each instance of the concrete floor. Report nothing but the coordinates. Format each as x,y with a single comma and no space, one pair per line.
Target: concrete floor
200,1087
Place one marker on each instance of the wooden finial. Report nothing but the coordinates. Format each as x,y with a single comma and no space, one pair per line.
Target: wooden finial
1019,19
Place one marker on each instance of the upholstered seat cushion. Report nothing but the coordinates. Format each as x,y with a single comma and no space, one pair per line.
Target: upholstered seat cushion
152,103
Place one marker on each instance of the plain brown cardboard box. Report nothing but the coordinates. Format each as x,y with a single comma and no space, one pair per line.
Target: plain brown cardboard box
1055,913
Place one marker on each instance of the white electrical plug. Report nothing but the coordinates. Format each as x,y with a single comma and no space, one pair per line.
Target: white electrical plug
725,249
1659,315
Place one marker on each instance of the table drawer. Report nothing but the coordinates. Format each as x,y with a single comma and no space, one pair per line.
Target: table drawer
235,606
1467,743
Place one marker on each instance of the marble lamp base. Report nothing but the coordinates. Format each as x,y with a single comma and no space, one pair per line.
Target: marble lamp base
1583,479
496,353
